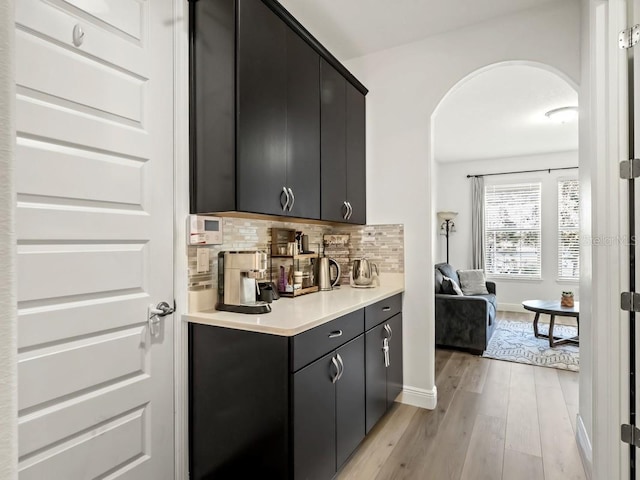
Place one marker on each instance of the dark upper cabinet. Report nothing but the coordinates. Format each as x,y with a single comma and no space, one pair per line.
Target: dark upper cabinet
356,155
255,115
303,128
343,152
278,139
333,141
262,109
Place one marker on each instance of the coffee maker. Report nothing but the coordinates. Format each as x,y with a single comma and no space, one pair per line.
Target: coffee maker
238,276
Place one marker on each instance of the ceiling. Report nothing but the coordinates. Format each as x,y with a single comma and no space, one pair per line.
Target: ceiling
501,113
353,28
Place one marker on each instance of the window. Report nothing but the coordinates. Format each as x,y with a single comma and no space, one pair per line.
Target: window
568,230
512,230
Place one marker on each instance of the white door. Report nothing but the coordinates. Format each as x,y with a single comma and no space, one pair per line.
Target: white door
94,224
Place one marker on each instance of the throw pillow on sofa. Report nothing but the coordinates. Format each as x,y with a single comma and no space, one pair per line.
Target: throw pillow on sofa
473,282
450,287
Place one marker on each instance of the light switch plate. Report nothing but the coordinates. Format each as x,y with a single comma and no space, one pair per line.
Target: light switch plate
202,262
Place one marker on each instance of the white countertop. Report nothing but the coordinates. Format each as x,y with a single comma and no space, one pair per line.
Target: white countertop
290,316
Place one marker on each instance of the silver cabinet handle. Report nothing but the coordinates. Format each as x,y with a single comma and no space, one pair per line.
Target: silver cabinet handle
293,199
389,331
341,367
346,210
334,379
385,351
386,309
350,210
284,206
335,334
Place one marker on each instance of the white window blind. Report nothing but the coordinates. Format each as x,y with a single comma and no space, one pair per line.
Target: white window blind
568,229
512,230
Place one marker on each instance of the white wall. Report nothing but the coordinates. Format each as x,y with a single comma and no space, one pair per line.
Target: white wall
406,84
8,326
457,197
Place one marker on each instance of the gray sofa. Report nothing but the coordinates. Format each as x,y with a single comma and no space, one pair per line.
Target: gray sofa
465,322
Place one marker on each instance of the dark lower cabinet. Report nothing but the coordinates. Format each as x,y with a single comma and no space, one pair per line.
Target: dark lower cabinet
329,411
376,373
394,371
350,396
314,425
384,376
290,408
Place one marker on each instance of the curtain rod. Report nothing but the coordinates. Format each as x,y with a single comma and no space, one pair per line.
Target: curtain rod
522,171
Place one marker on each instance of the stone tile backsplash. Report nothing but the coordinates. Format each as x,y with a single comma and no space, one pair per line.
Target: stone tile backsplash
381,244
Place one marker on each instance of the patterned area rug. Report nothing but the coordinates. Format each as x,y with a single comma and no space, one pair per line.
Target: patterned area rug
514,341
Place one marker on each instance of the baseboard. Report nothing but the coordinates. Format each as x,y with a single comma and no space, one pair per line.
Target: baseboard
419,397
584,446
511,307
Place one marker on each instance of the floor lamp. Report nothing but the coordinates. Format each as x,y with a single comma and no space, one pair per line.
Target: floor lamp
447,226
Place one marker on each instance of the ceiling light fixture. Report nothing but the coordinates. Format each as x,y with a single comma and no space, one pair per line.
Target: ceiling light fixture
562,114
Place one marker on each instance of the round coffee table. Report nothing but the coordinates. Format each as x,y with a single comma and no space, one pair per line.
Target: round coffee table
553,309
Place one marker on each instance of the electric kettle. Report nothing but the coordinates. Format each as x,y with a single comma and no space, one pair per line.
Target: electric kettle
362,272
325,280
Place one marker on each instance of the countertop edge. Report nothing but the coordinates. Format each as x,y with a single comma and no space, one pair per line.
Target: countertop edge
209,318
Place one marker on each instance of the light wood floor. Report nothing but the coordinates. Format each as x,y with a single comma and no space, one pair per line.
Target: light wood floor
494,420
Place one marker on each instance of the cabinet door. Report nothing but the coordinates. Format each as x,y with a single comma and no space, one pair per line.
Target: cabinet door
303,127
350,399
376,375
394,372
356,155
262,105
333,137
314,425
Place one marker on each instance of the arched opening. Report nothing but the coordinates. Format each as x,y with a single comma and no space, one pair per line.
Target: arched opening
492,125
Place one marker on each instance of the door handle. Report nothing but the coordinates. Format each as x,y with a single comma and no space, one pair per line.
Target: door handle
386,309
286,203
341,367
336,334
334,379
293,199
154,313
346,210
350,210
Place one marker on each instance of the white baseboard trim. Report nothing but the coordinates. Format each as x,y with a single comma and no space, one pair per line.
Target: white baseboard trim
584,446
511,307
419,397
